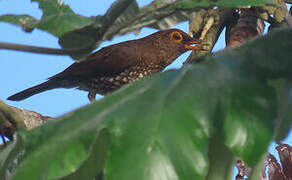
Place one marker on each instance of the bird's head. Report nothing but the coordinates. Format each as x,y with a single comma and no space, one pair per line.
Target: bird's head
168,44
182,39
175,38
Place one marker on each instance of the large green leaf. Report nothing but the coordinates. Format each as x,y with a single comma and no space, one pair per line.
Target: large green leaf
165,136
263,58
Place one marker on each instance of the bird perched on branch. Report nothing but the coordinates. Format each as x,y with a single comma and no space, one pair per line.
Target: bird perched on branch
114,66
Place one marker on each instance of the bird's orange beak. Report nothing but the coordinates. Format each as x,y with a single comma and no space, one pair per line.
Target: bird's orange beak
188,45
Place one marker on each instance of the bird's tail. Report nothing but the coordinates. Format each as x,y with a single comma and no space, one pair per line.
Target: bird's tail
50,84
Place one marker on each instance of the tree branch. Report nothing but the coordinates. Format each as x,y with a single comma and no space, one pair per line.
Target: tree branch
248,26
13,119
41,50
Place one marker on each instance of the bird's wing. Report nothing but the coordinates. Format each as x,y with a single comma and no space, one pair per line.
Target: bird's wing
108,60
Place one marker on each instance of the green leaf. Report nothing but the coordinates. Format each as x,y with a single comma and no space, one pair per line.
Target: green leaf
53,7
60,24
165,136
27,22
95,162
58,18
250,120
249,107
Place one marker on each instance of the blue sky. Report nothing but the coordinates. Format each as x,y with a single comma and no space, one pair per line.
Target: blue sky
20,70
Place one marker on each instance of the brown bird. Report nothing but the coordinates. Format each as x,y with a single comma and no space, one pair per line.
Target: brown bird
114,66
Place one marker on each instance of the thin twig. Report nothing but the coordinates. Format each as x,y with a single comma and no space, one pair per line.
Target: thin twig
41,50
206,28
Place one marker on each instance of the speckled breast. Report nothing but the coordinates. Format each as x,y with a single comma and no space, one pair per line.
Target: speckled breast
107,84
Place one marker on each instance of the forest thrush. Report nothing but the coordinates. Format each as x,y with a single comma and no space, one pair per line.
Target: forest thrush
114,66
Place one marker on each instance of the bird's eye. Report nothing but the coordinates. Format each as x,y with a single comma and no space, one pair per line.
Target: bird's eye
176,37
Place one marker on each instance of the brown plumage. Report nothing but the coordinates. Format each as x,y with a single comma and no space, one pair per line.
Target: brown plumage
114,66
